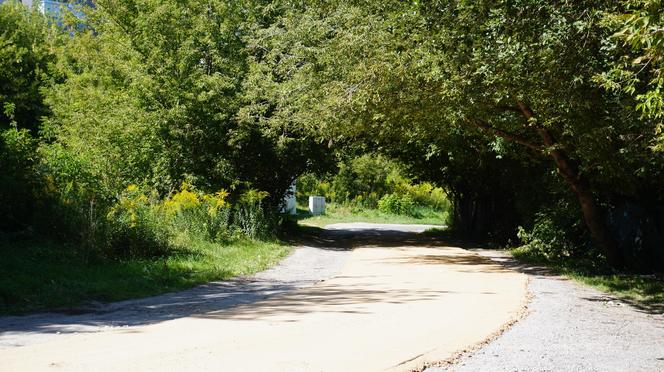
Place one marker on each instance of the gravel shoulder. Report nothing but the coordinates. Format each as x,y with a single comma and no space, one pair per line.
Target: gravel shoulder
569,327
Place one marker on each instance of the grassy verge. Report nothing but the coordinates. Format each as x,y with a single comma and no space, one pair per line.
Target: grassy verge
336,213
643,291
36,275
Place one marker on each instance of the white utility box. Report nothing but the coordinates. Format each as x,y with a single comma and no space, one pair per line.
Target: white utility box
317,205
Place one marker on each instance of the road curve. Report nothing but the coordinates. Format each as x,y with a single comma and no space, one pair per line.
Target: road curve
398,302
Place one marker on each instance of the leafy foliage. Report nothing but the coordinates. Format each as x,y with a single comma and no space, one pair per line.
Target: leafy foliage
17,159
640,70
504,105
143,127
25,54
488,99
396,204
364,181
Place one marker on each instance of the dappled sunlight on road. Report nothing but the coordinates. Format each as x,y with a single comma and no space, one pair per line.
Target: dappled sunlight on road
402,299
388,284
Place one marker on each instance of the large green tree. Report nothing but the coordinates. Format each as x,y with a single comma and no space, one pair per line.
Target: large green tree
515,77
157,92
25,55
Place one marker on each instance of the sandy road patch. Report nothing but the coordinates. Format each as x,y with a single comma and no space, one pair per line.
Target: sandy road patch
392,306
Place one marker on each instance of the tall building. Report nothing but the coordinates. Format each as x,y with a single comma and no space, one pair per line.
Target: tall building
53,7
25,2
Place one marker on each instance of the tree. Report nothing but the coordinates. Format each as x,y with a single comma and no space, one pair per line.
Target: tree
24,57
515,75
25,54
157,92
640,71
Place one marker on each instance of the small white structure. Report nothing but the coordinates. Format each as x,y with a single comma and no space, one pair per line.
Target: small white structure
290,203
317,205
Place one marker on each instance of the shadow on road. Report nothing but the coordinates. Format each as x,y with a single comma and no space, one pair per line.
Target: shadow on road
508,261
350,238
227,299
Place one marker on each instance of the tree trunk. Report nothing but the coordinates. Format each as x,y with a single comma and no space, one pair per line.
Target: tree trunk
592,214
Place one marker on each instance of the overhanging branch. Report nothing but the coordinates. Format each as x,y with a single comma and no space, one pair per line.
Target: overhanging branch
506,135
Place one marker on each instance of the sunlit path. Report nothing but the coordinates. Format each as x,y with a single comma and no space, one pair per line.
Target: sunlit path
392,306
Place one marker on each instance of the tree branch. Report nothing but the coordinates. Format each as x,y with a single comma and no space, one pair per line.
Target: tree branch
506,135
525,110
528,113
508,108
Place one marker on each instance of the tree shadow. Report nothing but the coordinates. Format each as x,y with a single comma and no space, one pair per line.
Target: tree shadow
325,298
474,262
505,259
351,238
231,299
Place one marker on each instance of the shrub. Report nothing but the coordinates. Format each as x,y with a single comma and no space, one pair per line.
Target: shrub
426,195
362,182
136,227
204,215
148,226
17,178
397,204
556,234
250,216
389,204
366,179
76,201
140,224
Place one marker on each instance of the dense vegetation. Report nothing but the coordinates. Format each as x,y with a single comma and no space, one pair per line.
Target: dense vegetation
374,182
126,137
114,119
512,106
147,127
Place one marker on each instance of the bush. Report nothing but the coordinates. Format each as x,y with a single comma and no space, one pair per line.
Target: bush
556,234
75,202
138,223
250,217
396,204
362,182
17,178
25,56
365,179
148,226
136,227
426,195
308,184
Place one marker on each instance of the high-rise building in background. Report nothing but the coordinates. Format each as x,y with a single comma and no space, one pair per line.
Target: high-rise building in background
52,7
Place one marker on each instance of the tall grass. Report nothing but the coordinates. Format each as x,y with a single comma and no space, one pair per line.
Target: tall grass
339,213
137,245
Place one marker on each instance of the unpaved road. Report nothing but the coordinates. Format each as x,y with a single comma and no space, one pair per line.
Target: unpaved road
395,302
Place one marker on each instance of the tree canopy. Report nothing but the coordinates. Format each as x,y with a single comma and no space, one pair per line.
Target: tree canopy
515,83
525,111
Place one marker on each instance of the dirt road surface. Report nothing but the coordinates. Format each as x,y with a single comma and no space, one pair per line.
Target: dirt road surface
397,301
570,327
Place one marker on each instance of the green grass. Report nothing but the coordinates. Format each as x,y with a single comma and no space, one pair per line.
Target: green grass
336,213
37,275
643,291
